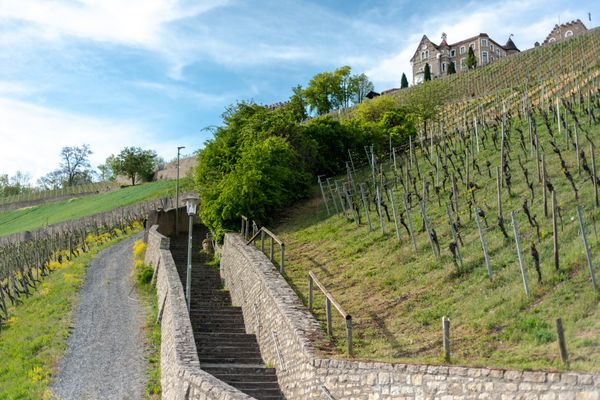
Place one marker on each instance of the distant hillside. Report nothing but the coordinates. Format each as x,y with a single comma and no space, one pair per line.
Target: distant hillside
169,171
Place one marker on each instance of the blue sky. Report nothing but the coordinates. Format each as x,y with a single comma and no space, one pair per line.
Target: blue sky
156,73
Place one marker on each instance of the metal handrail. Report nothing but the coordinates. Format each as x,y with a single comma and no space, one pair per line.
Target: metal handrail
274,239
329,301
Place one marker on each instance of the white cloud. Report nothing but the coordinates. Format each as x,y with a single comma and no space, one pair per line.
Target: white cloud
32,137
132,22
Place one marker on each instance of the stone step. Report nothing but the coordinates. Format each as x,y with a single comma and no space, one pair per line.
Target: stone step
229,378
230,360
210,338
235,353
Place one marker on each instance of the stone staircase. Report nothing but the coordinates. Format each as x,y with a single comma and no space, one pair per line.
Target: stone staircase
224,348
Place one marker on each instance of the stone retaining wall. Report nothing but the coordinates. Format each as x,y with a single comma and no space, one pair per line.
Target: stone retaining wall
181,376
271,306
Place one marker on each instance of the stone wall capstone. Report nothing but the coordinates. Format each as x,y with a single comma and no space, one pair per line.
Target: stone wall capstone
285,331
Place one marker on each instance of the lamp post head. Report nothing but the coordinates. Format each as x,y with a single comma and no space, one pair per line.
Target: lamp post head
191,203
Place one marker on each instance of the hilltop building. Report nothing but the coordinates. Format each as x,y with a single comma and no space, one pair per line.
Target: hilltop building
440,56
565,31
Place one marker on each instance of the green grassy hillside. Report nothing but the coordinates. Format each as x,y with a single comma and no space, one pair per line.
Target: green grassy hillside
31,218
397,296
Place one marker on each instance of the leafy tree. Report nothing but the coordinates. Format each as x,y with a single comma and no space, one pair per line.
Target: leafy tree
52,180
106,171
427,72
75,165
403,81
425,104
360,86
16,184
134,162
319,93
471,60
329,91
373,110
451,68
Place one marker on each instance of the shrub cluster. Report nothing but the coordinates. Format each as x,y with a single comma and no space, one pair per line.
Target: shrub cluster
263,159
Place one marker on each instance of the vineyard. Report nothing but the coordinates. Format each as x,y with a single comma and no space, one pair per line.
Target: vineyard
42,195
24,261
488,218
35,217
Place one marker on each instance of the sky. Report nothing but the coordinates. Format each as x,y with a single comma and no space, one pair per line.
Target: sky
158,74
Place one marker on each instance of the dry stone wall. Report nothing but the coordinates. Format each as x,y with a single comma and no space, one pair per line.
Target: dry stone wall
285,331
181,376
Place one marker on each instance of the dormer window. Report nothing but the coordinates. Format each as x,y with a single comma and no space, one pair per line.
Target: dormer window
568,34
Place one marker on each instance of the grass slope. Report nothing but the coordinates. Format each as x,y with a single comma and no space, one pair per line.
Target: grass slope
31,218
36,334
397,297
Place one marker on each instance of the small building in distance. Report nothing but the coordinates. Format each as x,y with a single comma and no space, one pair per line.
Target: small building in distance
564,31
440,56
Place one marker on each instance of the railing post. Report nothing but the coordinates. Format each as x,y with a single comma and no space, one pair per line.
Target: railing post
282,258
328,312
310,292
272,246
262,241
349,333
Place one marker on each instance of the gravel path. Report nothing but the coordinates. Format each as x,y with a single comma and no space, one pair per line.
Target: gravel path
105,355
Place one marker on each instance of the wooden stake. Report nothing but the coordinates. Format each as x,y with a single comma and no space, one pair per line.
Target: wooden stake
427,231
454,235
587,248
499,191
544,186
555,231
410,226
594,173
366,206
483,244
379,210
394,212
520,253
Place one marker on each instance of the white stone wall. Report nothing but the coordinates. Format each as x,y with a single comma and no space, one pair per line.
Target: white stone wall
181,376
270,305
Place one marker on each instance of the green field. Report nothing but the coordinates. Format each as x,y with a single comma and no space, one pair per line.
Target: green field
31,218
397,296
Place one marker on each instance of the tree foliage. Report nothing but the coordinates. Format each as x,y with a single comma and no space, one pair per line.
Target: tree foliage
471,59
427,72
451,68
134,163
74,168
403,81
329,91
14,185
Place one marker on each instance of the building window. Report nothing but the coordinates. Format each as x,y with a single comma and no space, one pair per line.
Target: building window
483,42
568,34
498,52
484,57
463,64
551,40
472,46
424,54
452,53
443,67
462,49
